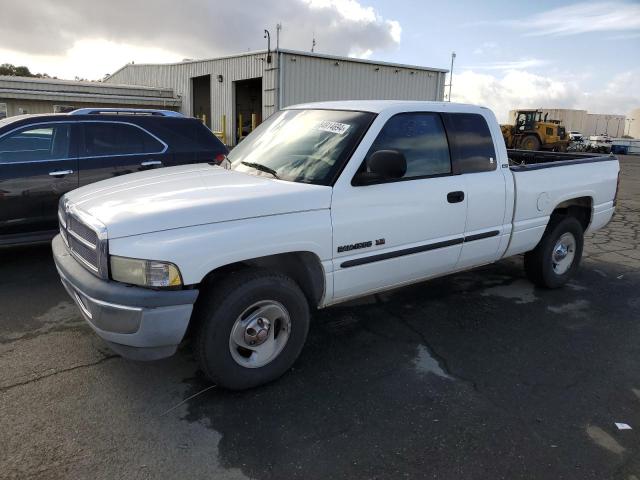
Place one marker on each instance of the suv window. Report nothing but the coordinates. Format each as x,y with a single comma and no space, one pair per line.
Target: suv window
41,142
471,143
110,138
422,140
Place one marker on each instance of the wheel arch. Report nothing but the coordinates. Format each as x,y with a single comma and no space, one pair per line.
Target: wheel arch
579,207
304,267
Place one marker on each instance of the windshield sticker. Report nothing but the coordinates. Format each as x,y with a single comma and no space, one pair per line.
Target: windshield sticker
333,127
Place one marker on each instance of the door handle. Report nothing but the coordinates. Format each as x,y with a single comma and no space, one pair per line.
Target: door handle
61,173
150,163
455,197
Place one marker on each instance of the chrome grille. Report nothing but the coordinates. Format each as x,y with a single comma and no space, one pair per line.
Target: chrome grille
89,255
86,244
85,233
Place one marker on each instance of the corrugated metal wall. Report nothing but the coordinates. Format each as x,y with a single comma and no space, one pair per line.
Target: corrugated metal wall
304,79
178,77
70,87
311,78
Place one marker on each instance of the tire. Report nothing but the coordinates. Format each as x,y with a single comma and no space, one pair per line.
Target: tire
530,142
231,306
544,265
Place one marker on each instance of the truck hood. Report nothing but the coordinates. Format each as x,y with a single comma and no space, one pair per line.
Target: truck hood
191,195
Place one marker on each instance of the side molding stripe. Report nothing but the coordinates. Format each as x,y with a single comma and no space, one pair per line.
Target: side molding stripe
480,236
419,249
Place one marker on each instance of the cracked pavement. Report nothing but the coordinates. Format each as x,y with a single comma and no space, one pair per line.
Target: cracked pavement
475,375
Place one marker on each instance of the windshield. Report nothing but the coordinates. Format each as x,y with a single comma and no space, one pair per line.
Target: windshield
307,146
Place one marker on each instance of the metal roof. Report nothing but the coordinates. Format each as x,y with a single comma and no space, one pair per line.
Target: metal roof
68,90
291,52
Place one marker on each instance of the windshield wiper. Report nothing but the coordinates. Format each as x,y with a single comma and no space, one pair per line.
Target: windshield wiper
262,168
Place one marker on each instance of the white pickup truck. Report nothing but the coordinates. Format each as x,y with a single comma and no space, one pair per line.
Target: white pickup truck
323,203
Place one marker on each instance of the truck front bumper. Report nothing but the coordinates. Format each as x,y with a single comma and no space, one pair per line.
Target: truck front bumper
137,323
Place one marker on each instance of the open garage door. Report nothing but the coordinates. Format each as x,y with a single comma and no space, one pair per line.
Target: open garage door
201,98
248,111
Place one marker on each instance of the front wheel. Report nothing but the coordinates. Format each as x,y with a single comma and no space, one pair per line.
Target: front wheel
251,328
530,142
556,258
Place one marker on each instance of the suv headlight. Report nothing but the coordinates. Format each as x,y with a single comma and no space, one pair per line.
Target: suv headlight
146,273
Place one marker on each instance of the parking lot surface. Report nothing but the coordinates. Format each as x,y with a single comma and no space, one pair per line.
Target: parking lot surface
475,375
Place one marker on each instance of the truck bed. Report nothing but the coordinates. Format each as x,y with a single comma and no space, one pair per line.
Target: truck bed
532,160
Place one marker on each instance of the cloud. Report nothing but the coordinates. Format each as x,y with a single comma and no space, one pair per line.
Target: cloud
513,65
195,28
581,18
521,89
484,47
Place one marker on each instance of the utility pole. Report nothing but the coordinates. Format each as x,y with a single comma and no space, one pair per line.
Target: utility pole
278,28
267,35
313,42
453,57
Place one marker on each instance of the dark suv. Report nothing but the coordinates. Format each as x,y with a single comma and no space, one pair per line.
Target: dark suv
44,156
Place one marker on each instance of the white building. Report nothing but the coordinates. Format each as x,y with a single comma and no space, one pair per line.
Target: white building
632,126
584,122
221,90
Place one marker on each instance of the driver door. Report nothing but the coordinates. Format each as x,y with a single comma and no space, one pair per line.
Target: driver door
403,230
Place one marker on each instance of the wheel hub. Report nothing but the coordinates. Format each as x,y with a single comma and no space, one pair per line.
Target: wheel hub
257,331
259,334
563,253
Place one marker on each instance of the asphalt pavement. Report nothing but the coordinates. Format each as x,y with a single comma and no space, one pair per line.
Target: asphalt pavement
476,375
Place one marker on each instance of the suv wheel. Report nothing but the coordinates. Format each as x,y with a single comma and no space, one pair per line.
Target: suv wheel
251,328
556,258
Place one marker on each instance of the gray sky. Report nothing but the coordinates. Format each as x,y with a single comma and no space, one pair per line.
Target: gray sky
581,54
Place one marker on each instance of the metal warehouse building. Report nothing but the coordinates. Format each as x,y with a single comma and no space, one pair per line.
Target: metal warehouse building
20,95
227,93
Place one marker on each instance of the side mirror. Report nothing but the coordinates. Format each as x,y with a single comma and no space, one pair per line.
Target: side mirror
382,165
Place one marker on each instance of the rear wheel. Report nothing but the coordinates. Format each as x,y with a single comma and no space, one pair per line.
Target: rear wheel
530,142
251,328
556,258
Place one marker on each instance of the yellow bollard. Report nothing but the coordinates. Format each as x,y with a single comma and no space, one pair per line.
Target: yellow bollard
254,119
239,126
222,134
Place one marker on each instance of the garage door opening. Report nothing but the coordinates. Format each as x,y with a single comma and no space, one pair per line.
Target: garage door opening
201,98
248,95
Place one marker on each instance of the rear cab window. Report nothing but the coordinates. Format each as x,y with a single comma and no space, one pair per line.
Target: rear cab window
470,141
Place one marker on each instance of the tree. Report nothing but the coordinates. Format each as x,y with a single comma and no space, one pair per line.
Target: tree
19,71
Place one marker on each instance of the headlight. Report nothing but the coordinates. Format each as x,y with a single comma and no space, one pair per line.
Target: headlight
146,273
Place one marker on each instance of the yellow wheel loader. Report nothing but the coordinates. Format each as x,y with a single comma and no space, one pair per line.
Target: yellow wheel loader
533,132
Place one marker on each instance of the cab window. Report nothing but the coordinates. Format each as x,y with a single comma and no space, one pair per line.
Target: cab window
421,138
